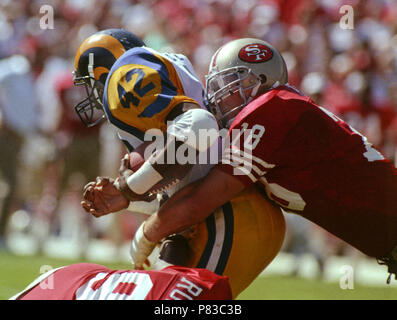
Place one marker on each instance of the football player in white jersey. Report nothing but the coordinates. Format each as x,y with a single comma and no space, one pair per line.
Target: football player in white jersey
139,90
142,93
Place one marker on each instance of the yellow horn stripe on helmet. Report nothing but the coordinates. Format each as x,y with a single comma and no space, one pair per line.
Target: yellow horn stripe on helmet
102,41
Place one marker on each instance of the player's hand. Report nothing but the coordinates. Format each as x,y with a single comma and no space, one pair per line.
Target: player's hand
101,197
122,185
140,249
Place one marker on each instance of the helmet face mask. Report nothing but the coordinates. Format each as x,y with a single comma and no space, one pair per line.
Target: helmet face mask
90,109
230,90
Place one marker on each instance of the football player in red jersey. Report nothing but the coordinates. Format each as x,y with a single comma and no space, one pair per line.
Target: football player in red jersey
303,158
88,281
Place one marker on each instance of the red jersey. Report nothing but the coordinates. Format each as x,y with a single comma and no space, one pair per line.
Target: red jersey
312,163
371,120
87,281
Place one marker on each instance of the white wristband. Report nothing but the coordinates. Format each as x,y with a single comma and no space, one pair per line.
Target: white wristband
144,178
141,248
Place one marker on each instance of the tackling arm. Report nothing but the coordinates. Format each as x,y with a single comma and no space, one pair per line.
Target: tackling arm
186,208
192,204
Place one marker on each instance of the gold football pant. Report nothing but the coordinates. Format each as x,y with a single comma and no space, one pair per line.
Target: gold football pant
239,239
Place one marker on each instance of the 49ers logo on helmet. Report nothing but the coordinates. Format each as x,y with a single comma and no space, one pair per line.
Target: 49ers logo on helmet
255,53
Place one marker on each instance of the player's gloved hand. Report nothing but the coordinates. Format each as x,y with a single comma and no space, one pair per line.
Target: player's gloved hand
101,197
140,249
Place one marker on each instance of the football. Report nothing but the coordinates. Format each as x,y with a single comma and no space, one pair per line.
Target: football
172,173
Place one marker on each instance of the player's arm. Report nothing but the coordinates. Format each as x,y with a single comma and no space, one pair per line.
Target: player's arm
192,204
101,197
189,206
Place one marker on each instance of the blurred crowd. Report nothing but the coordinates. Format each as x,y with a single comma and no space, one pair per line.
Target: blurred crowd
47,155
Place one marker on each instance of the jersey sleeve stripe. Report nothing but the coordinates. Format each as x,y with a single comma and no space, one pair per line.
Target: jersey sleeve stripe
250,157
248,164
244,172
246,168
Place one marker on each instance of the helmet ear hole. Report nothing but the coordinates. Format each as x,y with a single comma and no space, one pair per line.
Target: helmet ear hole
263,78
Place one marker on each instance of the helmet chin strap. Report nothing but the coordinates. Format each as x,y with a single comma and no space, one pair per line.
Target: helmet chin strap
275,85
254,92
256,88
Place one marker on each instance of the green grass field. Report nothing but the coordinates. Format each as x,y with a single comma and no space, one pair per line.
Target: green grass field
18,271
